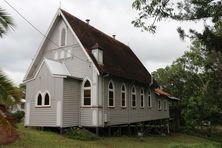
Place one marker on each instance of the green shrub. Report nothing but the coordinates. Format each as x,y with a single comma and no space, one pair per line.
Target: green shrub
19,115
201,145
79,134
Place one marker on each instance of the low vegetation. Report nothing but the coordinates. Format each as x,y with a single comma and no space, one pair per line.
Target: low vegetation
34,138
79,134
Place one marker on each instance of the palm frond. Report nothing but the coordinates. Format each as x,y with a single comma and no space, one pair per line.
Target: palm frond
6,22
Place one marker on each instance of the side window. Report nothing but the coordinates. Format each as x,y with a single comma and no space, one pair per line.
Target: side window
159,105
165,105
69,53
149,99
87,93
123,96
56,56
39,100
63,37
111,94
133,96
142,98
46,102
62,55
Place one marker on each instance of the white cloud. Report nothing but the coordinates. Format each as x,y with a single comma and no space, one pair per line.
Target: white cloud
18,48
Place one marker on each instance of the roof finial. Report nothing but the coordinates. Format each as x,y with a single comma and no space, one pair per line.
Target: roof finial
60,3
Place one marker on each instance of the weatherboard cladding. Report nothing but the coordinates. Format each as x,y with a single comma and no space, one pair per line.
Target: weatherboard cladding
119,115
119,60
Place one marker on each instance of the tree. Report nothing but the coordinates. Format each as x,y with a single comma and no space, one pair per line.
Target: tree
5,22
184,10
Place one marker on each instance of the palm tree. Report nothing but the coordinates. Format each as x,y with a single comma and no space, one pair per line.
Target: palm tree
7,92
5,22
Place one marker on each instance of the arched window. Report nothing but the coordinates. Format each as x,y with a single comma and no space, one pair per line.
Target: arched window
111,94
159,105
62,55
149,99
87,93
165,105
133,96
123,95
39,100
63,37
142,98
69,53
56,55
46,102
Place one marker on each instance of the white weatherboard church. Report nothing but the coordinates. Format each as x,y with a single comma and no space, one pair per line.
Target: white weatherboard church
82,77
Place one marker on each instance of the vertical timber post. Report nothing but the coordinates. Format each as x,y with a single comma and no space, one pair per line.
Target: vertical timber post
129,130
61,130
97,131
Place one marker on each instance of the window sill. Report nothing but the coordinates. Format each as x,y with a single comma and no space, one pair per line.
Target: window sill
142,107
111,106
123,107
42,106
133,107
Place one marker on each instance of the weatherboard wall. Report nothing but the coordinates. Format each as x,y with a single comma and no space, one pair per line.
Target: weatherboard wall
44,116
126,115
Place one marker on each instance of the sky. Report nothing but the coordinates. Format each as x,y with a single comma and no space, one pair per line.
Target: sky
18,47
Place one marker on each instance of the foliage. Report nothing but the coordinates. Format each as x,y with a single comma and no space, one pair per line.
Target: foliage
79,134
19,115
206,145
6,22
196,79
8,91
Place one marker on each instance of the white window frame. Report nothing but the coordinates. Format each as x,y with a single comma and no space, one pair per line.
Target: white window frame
123,85
86,88
36,99
149,99
113,90
69,53
62,54
47,92
142,94
60,38
159,105
133,93
56,55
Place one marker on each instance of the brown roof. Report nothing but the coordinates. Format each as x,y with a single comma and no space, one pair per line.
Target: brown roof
118,59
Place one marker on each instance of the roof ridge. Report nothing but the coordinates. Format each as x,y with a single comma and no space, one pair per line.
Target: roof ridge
97,29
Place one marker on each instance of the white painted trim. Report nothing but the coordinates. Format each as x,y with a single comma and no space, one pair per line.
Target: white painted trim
87,88
59,113
42,43
113,90
142,94
133,93
27,113
82,47
121,92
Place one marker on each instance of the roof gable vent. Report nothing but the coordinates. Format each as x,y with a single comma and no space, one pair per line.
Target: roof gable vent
97,52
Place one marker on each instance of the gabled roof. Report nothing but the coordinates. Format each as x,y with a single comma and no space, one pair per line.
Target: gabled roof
57,68
118,59
160,92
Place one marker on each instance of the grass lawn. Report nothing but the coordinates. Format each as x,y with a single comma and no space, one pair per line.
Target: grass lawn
31,138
